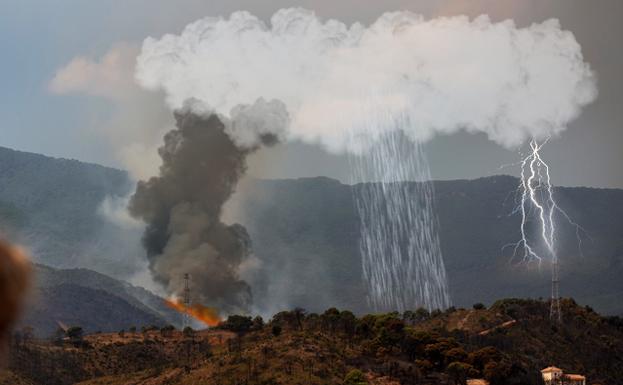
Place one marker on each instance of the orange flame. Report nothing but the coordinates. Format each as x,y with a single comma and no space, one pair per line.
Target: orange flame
207,315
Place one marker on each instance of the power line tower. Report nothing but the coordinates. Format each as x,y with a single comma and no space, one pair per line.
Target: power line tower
186,300
555,314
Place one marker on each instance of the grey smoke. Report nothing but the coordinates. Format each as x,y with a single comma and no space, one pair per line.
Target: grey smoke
202,161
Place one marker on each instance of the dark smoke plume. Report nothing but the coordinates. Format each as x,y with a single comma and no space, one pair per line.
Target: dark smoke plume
202,161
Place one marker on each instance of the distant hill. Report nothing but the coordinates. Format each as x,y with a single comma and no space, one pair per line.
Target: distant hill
305,235
51,206
80,297
93,310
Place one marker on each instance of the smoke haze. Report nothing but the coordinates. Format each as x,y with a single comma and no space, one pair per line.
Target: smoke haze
182,207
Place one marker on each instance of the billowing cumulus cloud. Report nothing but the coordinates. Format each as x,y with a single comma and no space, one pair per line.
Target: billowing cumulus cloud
443,75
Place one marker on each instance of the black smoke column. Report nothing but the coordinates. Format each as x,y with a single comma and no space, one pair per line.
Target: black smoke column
202,161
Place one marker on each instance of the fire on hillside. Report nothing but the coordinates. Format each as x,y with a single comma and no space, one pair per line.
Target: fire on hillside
207,315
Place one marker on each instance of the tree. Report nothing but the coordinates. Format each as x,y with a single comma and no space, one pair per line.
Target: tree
481,357
434,353
424,366
299,315
391,333
238,324
258,323
408,316
458,372
413,317
478,306
167,331
276,330
331,318
58,336
410,346
455,354
313,321
421,314
75,333
188,332
365,326
348,322
355,377
496,372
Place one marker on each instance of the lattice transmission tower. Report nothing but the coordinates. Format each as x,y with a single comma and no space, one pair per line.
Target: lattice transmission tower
186,300
555,315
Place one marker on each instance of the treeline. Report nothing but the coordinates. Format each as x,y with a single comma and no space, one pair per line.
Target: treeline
397,344
506,343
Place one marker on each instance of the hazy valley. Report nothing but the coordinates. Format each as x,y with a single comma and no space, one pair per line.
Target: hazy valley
305,238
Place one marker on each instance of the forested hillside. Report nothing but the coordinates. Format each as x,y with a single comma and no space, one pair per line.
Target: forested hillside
507,343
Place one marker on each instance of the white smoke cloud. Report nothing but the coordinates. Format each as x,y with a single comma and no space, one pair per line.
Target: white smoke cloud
260,121
114,209
248,125
444,74
138,119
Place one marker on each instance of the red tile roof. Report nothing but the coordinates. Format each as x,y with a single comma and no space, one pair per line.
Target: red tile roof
576,377
551,369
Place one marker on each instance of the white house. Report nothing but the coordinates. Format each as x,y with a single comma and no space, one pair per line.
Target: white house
555,376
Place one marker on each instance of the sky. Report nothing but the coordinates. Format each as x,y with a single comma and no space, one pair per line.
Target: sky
66,83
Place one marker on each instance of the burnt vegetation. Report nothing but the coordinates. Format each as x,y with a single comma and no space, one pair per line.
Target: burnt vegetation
506,343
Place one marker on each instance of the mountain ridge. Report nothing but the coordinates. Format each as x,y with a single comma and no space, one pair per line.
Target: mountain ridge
67,296
305,233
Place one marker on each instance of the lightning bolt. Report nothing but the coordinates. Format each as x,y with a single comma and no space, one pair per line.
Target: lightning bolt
536,199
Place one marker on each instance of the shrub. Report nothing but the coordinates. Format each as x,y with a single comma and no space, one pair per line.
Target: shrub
355,377
479,306
455,354
258,323
481,357
459,371
75,333
276,330
167,331
424,365
497,372
238,324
